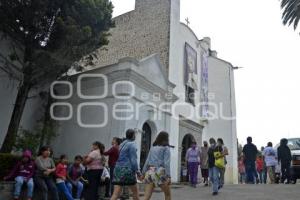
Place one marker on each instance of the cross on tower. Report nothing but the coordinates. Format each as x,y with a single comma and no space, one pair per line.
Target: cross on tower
187,21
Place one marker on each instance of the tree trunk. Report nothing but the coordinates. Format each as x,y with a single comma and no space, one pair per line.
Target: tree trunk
46,120
16,117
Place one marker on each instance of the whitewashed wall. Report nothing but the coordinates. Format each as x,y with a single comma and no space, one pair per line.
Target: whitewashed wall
148,77
221,89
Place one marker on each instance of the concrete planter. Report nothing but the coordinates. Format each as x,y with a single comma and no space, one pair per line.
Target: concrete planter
6,189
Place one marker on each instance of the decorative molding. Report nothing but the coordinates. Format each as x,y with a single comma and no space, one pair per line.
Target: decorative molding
190,124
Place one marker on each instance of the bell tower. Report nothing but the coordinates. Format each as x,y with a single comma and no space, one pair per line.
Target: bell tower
166,14
142,32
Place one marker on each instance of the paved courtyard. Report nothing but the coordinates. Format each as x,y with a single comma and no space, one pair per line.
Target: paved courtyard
235,192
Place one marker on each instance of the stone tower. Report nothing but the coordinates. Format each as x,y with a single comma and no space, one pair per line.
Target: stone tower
142,32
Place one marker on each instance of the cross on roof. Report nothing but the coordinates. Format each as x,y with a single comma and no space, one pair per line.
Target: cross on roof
187,21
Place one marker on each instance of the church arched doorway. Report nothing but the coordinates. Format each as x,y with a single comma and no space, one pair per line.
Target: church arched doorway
186,144
145,143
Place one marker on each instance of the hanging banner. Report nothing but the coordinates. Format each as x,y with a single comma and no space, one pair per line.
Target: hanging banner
204,85
190,67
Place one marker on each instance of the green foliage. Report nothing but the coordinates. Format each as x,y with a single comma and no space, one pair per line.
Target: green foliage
48,130
291,12
27,140
47,37
43,133
53,34
7,162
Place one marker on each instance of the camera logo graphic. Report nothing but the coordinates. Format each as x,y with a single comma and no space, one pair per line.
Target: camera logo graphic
63,110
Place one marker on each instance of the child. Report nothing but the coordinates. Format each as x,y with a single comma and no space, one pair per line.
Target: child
242,170
75,173
105,181
61,177
23,173
260,167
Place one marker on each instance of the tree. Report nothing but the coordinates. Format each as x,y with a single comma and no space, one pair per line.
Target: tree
45,38
291,12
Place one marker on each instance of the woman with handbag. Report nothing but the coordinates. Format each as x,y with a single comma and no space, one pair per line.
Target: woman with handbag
215,164
126,167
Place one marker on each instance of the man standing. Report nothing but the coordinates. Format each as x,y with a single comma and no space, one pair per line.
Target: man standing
285,158
250,152
204,163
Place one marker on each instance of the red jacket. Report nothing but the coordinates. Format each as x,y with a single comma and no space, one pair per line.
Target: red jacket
113,155
61,171
259,164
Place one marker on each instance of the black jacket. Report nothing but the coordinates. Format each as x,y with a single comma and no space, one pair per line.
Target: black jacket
284,154
250,152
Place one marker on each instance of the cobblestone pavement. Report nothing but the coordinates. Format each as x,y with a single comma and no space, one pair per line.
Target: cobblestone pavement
234,192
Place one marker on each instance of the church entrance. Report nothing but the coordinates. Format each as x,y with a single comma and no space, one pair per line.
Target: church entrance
145,144
186,144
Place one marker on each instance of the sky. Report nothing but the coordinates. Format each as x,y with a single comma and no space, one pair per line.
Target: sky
250,34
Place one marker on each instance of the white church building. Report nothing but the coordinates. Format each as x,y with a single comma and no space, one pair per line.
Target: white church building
155,75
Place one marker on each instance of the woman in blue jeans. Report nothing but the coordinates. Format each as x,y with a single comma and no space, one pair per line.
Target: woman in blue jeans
22,173
75,173
214,172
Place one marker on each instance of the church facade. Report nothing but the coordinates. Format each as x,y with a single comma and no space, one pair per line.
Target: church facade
167,80
155,75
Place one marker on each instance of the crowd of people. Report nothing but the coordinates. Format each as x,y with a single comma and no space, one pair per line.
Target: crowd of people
212,161
268,164
83,178
86,174
46,176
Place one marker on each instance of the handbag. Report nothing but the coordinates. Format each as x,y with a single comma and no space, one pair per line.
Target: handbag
124,175
219,161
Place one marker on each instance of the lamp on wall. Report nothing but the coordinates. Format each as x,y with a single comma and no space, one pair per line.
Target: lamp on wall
236,67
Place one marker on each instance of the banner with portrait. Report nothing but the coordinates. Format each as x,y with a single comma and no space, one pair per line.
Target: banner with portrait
190,58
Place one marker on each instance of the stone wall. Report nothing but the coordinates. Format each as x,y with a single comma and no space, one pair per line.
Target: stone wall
139,33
